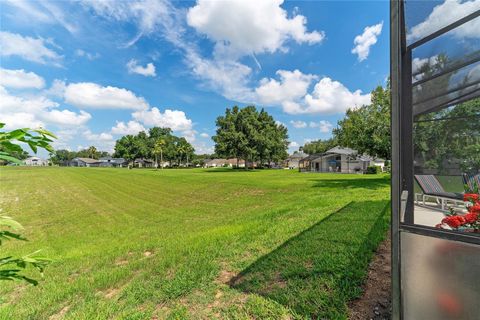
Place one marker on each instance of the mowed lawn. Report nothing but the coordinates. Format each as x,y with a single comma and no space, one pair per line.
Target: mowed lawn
192,244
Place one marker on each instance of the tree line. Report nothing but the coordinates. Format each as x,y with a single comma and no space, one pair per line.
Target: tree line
159,144
62,155
251,135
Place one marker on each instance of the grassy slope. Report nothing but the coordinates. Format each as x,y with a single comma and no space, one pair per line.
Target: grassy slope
191,243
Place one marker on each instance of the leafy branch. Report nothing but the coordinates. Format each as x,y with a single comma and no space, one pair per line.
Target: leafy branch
11,267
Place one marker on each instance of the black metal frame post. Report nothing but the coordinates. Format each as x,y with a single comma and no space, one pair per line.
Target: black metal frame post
396,14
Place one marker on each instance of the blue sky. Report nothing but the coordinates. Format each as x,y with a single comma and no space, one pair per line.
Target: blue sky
92,71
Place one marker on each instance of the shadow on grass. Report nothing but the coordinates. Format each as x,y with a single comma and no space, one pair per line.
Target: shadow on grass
372,184
318,271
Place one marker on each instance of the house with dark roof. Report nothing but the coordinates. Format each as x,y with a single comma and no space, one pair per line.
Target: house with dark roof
339,159
84,162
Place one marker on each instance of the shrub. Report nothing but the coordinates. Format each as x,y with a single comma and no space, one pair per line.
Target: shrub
373,170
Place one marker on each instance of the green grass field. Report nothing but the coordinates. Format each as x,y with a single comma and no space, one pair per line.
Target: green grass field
192,244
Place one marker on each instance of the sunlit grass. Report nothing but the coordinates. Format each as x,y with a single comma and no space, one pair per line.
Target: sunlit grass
137,244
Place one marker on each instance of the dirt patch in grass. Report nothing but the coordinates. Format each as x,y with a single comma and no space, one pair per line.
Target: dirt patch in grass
226,276
375,303
148,253
60,314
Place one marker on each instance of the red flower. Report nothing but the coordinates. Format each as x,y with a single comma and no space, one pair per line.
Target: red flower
471,217
473,197
475,208
454,221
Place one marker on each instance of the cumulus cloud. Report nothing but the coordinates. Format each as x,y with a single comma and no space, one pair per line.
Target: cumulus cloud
147,71
34,111
31,49
267,30
204,135
328,97
298,124
92,95
104,136
367,39
66,117
445,14
173,119
323,125
131,127
20,79
291,86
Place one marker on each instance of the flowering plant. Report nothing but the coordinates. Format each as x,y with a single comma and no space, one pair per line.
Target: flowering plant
469,221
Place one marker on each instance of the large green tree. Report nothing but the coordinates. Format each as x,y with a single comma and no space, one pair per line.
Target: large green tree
251,135
319,146
367,128
146,145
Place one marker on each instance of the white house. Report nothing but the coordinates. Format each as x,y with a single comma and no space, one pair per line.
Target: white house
339,159
292,162
35,161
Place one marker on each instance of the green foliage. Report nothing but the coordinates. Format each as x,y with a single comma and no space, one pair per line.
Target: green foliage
11,267
62,156
373,170
35,138
144,145
367,128
449,135
319,146
250,135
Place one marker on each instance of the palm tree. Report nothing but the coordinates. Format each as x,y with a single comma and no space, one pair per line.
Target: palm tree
181,150
92,151
158,149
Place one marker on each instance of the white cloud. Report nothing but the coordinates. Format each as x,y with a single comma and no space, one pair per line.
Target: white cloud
132,127
292,86
325,126
44,12
31,49
249,27
148,15
204,135
298,124
228,77
445,14
20,79
66,117
147,71
57,89
92,95
20,120
328,97
293,144
173,119
104,136
88,55
367,39
34,111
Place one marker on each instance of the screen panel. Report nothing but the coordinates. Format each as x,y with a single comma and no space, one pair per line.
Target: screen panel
439,278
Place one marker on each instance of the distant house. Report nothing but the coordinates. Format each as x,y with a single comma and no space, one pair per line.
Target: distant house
339,159
35,161
292,162
143,163
216,163
112,162
84,162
